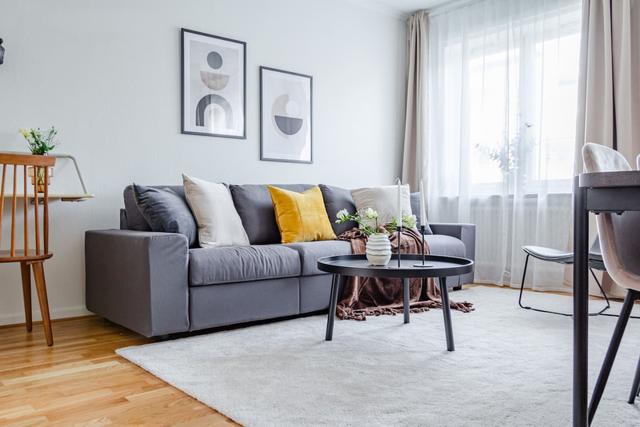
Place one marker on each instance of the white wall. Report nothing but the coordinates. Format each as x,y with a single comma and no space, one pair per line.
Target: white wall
106,73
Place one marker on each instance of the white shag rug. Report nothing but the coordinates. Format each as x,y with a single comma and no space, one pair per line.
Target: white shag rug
511,367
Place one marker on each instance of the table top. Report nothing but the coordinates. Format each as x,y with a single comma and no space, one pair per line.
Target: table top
357,265
610,179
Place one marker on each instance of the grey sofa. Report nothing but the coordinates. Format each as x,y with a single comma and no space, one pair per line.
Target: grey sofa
155,284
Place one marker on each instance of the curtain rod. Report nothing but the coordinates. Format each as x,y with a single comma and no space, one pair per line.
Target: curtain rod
449,6
459,4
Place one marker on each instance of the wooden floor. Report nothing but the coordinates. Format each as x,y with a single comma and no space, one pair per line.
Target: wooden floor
81,381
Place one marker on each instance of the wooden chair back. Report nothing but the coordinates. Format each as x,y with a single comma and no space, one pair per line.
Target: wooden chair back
15,169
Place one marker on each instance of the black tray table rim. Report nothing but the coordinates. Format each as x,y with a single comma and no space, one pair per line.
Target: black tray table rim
340,264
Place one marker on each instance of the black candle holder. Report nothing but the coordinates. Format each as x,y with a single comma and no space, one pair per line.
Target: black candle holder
399,234
422,265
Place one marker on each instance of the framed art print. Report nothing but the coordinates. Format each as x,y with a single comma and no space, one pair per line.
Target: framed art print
213,85
285,116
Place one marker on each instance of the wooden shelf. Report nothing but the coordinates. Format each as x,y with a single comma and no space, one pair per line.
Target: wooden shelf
55,196
63,197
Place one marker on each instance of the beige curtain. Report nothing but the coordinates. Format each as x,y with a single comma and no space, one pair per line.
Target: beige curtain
609,92
415,127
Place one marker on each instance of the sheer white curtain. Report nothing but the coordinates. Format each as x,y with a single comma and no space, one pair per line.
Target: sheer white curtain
502,113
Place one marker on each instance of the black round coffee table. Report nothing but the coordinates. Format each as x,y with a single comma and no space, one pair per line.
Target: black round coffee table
410,267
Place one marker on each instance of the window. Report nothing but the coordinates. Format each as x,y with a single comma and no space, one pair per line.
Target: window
505,97
502,95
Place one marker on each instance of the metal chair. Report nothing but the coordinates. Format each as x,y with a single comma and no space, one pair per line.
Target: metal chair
560,257
620,243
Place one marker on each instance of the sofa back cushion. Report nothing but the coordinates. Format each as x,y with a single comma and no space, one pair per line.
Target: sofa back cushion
255,207
335,199
134,219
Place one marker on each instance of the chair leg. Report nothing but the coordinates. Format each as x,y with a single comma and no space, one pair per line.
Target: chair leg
25,270
41,287
621,324
635,388
608,306
526,307
524,275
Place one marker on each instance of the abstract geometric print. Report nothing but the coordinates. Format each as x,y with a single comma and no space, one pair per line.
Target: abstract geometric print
286,102
213,85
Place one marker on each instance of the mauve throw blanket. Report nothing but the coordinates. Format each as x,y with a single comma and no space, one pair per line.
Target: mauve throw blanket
372,296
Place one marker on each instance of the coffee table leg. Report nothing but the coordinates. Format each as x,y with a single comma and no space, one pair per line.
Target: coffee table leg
405,300
333,301
446,310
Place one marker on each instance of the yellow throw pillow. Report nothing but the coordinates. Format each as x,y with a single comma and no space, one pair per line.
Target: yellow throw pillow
301,217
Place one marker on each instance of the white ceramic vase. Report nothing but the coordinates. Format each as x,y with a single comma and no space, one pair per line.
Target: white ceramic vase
378,249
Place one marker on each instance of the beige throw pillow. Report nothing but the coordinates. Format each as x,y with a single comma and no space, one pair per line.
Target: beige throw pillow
384,200
218,221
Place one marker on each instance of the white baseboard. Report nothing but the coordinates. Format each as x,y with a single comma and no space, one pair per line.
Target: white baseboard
60,313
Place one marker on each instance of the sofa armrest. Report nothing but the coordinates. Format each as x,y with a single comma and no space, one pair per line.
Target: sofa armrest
464,232
138,279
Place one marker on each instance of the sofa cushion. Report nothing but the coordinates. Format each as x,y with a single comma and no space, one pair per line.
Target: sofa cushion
209,266
301,217
135,220
218,221
439,244
336,199
254,205
383,200
311,251
166,211
415,208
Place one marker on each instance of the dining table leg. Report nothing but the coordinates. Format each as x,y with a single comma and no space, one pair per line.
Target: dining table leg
446,310
406,302
580,305
333,301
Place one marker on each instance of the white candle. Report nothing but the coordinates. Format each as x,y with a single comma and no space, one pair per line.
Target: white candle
399,203
423,206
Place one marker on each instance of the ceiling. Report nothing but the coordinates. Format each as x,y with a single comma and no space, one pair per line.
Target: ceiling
400,7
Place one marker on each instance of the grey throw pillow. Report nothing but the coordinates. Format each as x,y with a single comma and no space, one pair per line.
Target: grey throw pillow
336,199
166,211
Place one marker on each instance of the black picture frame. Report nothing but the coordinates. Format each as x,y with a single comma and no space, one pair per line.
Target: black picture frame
263,157
183,100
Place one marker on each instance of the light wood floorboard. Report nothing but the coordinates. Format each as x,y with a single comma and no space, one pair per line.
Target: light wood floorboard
81,381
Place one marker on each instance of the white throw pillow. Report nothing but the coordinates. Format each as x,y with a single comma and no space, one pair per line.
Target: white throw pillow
384,200
218,221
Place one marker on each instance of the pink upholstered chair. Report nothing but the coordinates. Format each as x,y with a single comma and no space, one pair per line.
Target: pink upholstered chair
620,245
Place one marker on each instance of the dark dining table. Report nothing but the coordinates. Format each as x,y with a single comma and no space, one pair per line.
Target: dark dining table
597,192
